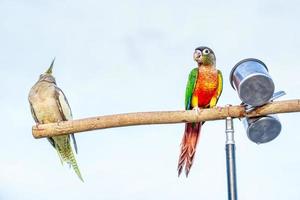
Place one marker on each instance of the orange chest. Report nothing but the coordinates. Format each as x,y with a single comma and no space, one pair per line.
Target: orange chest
206,85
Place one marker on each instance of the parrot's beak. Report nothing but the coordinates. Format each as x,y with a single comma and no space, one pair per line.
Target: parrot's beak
199,60
198,57
49,71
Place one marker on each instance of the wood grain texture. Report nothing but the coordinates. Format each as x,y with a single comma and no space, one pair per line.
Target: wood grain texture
160,117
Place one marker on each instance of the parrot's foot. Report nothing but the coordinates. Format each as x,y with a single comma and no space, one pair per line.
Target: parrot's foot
219,108
197,110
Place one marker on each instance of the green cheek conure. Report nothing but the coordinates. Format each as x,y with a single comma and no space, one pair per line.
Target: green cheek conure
203,90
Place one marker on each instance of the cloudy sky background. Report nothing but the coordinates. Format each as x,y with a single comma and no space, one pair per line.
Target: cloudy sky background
128,56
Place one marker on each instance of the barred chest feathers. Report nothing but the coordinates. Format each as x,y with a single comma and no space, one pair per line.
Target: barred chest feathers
206,85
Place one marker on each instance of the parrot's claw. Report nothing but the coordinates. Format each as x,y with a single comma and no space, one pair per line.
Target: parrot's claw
197,110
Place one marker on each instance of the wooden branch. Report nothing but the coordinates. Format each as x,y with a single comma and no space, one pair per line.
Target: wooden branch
167,117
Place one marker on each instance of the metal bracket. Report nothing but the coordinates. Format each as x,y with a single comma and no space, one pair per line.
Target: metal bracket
276,95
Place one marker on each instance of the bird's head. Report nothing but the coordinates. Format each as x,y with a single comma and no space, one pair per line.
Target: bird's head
47,76
204,56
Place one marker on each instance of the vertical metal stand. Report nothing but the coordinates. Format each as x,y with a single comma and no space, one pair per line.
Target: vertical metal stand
230,160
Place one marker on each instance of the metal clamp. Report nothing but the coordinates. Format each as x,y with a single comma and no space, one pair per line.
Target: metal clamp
276,95
229,131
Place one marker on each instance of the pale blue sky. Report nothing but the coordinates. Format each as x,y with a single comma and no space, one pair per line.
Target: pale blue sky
127,56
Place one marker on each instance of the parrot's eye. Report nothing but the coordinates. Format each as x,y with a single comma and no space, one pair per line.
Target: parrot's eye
206,51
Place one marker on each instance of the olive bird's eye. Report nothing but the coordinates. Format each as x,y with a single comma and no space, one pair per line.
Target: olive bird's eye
206,51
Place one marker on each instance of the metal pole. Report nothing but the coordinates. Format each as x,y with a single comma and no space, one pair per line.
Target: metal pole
230,160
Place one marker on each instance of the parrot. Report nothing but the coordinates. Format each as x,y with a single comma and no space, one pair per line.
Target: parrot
203,90
48,104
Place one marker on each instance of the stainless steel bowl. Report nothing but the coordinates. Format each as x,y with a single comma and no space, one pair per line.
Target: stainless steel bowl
252,81
262,129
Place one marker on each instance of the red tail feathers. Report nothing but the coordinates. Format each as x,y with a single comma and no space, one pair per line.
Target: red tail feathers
188,147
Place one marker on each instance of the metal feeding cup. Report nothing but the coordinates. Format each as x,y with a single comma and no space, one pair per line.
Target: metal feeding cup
262,129
255,87
252,81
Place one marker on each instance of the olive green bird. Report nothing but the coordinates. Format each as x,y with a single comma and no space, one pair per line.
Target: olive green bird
49,105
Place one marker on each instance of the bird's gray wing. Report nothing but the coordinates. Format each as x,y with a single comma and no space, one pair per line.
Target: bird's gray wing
37,121
65,110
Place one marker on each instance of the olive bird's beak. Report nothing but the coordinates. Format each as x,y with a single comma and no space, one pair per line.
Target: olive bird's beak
49,71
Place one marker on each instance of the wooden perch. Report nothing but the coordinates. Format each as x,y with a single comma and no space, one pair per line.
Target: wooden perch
167,117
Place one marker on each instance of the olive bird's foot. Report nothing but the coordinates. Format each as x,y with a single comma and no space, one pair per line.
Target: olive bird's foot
37,125
58,123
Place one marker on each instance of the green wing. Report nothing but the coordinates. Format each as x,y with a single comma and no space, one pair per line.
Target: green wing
190,88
